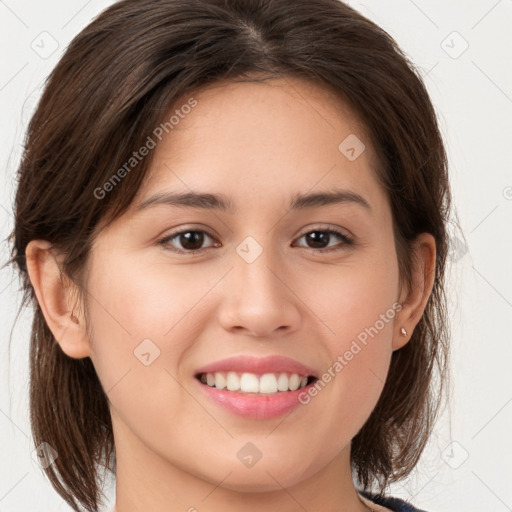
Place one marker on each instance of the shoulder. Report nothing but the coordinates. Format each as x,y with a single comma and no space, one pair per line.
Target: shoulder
394,504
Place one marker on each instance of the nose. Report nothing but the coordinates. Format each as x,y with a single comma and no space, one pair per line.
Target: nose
259,299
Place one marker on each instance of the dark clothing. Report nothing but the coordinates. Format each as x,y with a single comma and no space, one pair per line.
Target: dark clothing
395,504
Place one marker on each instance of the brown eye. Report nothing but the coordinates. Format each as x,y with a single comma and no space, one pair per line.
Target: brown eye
320,238
189,241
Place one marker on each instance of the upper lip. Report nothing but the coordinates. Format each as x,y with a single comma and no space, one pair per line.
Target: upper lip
258,365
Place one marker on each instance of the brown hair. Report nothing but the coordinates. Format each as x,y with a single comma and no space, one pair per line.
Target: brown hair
112,87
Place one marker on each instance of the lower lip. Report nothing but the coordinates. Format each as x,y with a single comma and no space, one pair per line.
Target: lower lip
254,406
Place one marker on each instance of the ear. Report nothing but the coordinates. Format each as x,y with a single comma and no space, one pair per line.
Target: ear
54,293
415,299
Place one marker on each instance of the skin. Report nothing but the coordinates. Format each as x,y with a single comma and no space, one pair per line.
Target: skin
258,144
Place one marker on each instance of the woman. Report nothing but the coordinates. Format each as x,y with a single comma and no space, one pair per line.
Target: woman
231,220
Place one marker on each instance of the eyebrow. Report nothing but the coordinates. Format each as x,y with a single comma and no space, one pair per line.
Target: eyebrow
221,202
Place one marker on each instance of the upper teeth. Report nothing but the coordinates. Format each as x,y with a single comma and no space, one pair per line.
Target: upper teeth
252,383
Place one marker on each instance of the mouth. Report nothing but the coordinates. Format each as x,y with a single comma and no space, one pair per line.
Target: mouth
249,383
256,387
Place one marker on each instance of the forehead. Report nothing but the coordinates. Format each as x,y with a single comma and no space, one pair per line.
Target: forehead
284,135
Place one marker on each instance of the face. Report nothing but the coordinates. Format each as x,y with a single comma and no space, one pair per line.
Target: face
269,282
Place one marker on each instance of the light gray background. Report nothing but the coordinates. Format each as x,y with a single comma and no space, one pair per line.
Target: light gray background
467,465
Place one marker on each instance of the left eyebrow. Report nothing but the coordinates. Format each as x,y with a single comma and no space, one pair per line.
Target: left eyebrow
220,202
315,200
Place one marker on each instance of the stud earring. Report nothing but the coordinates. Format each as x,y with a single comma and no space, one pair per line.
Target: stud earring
403,332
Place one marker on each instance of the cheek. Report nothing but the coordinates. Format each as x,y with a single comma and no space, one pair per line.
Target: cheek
358,310
135,300
144,319
355,298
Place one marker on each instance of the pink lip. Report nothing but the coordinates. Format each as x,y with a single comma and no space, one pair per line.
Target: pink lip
257,406
258,365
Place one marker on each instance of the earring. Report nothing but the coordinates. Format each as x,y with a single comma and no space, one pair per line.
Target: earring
403,332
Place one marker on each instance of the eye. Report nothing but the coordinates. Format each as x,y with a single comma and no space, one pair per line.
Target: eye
191,241
320,238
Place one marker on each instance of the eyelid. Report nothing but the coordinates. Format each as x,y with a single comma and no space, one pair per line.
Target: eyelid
327,227
186,228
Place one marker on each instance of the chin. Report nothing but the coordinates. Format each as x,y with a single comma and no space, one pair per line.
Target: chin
268,476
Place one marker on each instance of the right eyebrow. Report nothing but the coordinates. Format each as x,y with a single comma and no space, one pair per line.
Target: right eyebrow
190,199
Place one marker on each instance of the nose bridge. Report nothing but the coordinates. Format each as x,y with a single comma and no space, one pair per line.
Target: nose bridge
256,268
259,300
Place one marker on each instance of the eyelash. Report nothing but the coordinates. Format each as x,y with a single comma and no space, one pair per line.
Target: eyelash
345,238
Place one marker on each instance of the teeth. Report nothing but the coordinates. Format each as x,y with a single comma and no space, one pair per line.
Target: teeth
267,383
294,382
249,383
282,382
232,381
220,381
